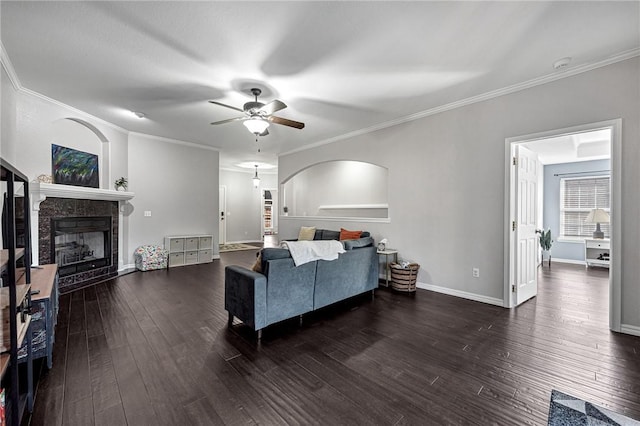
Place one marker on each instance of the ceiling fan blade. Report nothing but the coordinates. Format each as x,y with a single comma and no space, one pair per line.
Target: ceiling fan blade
226,106
272,107
228,120
286,122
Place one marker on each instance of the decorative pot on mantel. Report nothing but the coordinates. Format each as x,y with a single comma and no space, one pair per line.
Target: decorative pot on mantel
121,184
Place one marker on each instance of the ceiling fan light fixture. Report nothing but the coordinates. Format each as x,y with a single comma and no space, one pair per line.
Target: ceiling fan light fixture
256,125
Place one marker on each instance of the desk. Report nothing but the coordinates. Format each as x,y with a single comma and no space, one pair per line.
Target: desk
386,253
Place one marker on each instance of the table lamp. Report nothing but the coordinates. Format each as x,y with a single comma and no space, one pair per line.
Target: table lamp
597,216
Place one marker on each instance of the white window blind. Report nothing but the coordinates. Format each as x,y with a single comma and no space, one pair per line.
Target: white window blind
577,197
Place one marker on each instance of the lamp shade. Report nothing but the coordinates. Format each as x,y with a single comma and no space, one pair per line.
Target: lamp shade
597,216
256,125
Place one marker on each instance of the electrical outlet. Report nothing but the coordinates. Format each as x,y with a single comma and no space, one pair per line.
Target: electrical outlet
476,272
147,213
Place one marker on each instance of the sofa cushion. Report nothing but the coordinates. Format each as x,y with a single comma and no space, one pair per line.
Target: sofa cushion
328,234
271,253
257,266
359,243
345,234
307,233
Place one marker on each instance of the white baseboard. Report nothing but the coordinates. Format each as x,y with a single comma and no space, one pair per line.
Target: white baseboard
630,329
462,294
127,267
575,262
215,256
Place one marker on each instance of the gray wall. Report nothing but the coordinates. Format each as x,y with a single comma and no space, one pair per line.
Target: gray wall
447,197
337,183
551,216
178,183
243,204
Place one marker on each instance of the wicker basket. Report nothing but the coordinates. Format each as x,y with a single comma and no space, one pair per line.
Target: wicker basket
404,279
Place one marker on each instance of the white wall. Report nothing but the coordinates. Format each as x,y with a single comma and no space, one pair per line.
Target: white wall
41,122
7,117
244,213
178,183
163,174
446,177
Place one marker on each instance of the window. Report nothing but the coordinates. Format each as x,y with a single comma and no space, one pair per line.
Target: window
577,197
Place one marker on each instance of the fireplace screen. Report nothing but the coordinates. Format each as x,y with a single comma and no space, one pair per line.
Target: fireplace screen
81,243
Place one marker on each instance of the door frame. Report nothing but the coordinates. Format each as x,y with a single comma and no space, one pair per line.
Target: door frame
615,272
274,209
222,224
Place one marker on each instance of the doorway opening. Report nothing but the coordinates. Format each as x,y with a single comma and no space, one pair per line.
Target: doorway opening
524,203
269,212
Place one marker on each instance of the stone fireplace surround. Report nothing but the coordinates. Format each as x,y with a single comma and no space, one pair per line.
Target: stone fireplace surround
55,201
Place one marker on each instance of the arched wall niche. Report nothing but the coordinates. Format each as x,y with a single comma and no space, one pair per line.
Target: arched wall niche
79,134
337,189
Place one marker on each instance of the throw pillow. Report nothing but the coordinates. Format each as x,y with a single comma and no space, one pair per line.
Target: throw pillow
307,233
257,267
349,235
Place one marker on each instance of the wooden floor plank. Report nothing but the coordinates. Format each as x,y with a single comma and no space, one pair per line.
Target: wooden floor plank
153,348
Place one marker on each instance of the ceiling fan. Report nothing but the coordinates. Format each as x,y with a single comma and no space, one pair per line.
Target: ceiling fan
257,115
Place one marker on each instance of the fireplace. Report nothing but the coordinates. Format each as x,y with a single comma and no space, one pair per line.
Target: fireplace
80,244
81,236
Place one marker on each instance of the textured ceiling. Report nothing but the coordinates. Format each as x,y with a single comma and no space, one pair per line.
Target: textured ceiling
339,66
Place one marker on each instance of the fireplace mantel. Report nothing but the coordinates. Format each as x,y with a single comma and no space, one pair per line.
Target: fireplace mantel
40,191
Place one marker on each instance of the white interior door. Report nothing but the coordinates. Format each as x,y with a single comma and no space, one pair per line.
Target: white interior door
526,247
222,207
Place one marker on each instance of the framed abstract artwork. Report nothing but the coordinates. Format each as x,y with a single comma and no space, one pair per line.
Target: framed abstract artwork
73,167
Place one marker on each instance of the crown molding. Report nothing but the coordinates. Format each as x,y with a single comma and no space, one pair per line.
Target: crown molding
92,118
8,67
174,141
475,99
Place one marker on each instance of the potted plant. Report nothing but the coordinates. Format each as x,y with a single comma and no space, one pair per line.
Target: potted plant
545,243
121,184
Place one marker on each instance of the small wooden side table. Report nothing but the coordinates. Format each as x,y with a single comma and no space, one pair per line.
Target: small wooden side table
386,253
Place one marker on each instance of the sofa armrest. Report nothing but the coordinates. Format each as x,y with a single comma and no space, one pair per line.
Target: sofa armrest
245,295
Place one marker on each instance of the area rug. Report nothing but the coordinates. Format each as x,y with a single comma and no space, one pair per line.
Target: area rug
237,247
567,410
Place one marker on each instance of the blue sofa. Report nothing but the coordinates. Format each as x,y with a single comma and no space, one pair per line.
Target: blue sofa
282,290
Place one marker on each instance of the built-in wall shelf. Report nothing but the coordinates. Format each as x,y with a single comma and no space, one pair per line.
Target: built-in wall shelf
352,206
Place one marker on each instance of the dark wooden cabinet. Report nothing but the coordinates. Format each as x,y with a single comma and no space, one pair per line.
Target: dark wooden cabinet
44,313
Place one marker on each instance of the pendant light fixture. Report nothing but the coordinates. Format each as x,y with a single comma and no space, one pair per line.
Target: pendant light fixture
256,179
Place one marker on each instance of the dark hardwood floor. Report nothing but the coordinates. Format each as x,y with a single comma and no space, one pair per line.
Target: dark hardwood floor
153,348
